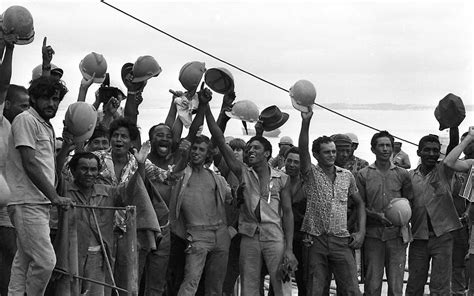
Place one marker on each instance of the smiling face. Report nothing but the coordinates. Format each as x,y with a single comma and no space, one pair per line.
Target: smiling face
256,153
99,143
429,154
161,141
199,153
120,141
383,149
86,172
326,156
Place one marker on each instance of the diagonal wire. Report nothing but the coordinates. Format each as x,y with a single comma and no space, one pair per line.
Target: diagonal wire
243,70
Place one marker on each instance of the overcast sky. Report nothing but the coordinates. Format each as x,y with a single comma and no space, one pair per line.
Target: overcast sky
405,52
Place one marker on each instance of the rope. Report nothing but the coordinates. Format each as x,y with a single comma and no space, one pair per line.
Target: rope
243,70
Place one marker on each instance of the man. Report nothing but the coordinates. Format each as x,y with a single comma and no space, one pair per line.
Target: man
84,190
434,217
465,166
31,175
343,149
294,186
384,245
328,189
399,157
459,275
266,236
354,164
10,106
99,140
279,161
198,215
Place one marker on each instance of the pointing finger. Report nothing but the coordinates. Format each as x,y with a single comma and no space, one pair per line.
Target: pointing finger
45,39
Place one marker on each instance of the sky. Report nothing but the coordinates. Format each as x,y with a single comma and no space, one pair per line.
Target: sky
402,52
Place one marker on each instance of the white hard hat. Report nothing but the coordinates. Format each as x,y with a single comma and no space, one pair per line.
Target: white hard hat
398,211
38,71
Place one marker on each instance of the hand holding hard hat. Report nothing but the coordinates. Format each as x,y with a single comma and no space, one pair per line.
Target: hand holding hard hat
398,212
93,63
18,20
303,94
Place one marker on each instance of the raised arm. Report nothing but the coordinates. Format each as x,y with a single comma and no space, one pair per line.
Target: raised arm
452,159
234,165
305,157
5,72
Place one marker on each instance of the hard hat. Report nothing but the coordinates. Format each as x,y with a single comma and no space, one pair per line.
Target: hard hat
38,71
80,120
398,211
285,140
341,140
93,63
244,110
18,20
191,74
219,80
450,112
353,137
302,95
144,68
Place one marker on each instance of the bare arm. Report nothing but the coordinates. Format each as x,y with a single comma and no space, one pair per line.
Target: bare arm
452,159
358,237
288,226
234,165
171,117
35,174
5,75
305,158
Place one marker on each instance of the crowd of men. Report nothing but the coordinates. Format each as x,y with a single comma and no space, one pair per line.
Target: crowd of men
214,209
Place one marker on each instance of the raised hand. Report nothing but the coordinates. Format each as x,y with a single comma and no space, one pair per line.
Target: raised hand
86,83
142,155
47,52
204,95
307,115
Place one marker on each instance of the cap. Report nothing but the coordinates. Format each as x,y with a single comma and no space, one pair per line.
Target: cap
341,139
286,140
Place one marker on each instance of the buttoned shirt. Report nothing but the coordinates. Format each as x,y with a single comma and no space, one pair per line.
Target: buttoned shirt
433,199
326,209
355,164
268,203
107,176
377,188
29,129
5,128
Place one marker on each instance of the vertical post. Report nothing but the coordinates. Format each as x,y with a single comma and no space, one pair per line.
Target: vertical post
132,250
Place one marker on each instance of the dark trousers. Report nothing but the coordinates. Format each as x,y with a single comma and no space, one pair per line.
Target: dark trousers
439,251
7,253
331,251
460,250
301,254
233,270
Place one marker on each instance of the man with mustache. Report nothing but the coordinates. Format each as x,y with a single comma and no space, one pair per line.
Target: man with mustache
31,175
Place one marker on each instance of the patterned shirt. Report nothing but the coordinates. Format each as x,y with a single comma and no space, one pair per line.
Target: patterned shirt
355,164
326,209
107,176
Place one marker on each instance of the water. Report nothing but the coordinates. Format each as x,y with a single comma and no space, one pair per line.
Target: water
407,124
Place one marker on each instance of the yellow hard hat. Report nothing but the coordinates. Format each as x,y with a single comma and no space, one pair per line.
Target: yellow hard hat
244,110
93,63
18,20
398,211
38,71
302,95
145,68
191,74
80,120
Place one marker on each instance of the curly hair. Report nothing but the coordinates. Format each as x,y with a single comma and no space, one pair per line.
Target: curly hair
47,86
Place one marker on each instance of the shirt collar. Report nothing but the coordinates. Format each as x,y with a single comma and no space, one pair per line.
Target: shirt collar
372,166
97,190
37,116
